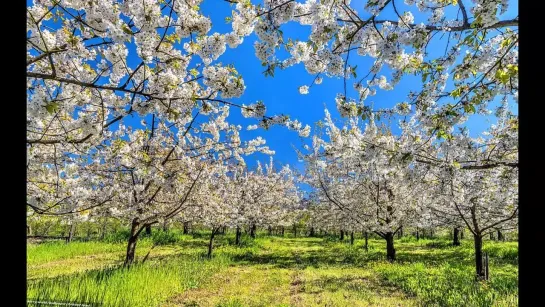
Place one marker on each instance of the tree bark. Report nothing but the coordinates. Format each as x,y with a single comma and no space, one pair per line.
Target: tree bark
71,232
131,246
237,236
295,231
282,230
462,234
311,234
210,244
417,234
28,230
400,233
186,228
148,230
270,230
342,235
390,250
352,238
165,226
479,269
455,236
500,236
366,246
252,231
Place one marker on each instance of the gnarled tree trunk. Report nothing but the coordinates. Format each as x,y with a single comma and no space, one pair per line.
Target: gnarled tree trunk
131,246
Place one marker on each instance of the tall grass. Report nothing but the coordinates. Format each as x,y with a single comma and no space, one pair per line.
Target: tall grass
147,284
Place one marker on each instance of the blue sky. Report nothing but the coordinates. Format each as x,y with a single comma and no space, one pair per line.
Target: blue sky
281,95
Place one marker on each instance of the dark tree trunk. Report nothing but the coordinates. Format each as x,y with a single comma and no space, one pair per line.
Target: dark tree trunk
342,235
131,246
312,234
295,231
148,230
165,226
455,237
237,236
282,230
71,232
390,250
366,246
462,234
500,236
352,238
417,234
270,230
210,244
186,228
252,231
479,256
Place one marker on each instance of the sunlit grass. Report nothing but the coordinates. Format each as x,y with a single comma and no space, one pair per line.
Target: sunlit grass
271,271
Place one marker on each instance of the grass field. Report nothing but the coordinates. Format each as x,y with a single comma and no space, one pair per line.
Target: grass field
271,271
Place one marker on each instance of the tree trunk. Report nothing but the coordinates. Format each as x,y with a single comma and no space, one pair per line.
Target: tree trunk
295,231
71,233
390,250
312,233
462,234
270,230
352,238
500,236
237,236
148,230
210,244
252,231
282,230
28,230
455,237
366,246
342,235
417,234
165,226
479,269
103,230
131,246
186,228
491,236
400,232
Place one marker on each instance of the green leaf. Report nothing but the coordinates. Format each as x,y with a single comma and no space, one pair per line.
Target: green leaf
52,107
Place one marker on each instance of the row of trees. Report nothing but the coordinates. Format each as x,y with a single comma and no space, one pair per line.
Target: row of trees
368,178
92,66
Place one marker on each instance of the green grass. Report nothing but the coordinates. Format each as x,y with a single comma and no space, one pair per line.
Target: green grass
271,271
